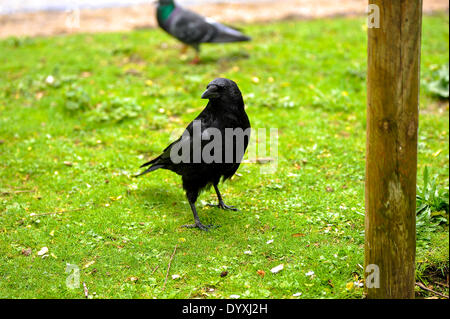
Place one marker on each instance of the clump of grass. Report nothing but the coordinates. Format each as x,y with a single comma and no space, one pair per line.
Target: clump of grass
77,100
432,208
439,84
115,110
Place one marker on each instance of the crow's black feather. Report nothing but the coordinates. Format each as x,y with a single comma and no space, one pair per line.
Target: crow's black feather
225,110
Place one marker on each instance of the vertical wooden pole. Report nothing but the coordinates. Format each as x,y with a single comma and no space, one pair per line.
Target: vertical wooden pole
391,159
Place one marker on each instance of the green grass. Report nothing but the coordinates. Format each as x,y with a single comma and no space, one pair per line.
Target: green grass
306,78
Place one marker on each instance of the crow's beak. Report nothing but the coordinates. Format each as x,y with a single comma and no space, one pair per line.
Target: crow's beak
211,93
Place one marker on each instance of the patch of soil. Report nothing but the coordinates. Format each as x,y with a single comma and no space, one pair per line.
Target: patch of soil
47,23
436,107
436,280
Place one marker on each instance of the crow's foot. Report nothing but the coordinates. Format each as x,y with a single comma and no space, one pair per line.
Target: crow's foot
200,226
222,205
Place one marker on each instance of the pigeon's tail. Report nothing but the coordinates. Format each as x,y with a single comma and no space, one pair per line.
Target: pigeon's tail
227,34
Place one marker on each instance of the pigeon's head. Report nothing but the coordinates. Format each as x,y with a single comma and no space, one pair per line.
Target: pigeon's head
224,90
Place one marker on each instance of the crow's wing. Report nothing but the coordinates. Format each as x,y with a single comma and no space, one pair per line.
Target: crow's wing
185,142
193,140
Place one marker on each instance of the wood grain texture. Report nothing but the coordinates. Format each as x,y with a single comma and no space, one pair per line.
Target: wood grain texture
391,159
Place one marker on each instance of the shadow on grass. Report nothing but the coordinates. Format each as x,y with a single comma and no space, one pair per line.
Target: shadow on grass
160,196
219,58
173,202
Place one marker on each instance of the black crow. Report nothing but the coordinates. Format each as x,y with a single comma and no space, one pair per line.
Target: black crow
192,29
212,146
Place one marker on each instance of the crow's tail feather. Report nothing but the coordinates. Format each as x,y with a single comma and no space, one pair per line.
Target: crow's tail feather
150,169
153,161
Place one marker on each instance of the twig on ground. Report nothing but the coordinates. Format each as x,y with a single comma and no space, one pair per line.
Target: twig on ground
421,285
168,266
8,191
156,268
55,213
86,292
441,284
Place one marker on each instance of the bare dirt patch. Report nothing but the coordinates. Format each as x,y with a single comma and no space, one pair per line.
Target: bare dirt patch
143,16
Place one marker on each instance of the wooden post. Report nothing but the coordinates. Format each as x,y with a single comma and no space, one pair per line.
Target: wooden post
391,159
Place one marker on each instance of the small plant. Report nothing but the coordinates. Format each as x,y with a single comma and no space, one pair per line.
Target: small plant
333,100
439,86
76,99
115,110
273,100
432,208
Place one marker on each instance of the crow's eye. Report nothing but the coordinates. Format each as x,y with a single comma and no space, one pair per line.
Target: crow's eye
213,88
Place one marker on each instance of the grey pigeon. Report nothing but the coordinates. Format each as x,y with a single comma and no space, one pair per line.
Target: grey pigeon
224,123
193,29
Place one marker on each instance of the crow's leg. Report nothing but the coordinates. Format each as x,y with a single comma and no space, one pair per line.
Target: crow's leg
221,203
197,224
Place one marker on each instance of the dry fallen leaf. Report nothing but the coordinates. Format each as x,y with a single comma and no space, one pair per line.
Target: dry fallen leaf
89,264
437,153
330,283
43,251
259,160
261,273
26,252
277,269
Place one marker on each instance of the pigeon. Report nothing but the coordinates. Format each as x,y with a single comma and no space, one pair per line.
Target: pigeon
212,146
193,29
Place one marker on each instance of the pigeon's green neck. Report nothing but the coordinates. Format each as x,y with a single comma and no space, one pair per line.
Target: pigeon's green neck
165,10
